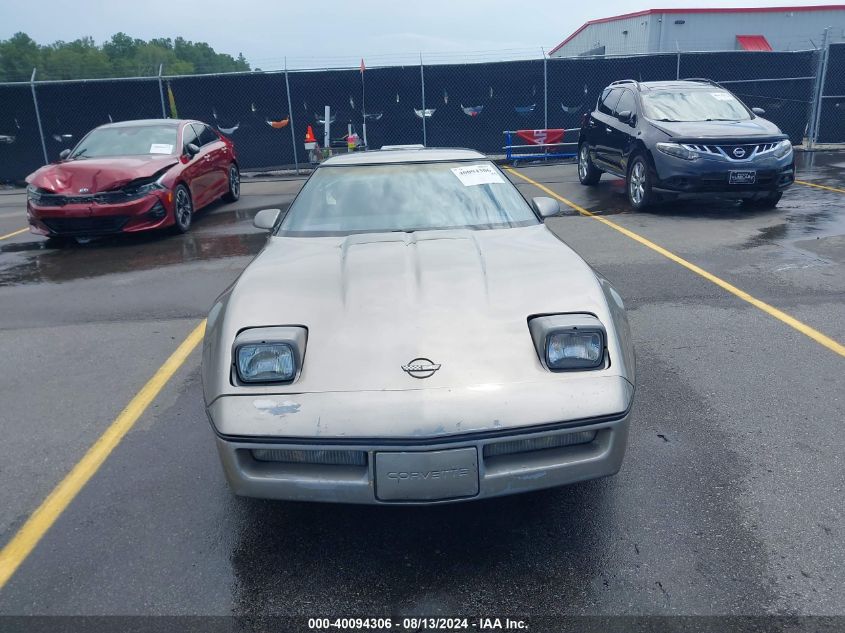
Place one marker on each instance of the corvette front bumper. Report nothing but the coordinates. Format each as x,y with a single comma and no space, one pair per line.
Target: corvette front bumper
462,470
515,441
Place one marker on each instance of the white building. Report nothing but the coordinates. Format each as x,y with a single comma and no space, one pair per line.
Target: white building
670,30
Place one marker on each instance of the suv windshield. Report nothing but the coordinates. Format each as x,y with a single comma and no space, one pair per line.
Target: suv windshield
405,197
693,105
127,141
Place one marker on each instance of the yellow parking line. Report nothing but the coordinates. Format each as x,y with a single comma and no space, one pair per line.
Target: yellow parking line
25,540
792,322
812,184
13,233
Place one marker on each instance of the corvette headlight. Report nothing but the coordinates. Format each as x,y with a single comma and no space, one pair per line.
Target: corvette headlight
569,341
574,349
268,354
677,150
266,362
783,148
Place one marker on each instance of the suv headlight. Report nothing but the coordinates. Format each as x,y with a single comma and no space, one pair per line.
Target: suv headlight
569,341
677,150
783,148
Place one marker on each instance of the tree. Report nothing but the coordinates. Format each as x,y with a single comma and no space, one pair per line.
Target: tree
120,56
18,56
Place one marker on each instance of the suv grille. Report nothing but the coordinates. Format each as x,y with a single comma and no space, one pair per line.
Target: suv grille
743,151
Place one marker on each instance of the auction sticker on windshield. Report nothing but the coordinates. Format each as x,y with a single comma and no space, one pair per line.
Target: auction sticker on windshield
722,96
477,175
161,148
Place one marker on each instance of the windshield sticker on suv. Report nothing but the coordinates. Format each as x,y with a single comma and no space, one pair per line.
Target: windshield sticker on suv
722,96
161,148
477,175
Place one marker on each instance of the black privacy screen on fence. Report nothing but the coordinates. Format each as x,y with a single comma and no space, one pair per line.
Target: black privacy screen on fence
242,107
832,119
20,149
454,105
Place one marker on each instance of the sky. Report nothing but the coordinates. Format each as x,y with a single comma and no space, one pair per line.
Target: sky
335,32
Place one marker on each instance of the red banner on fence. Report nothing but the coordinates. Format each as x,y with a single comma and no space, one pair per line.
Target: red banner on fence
541,137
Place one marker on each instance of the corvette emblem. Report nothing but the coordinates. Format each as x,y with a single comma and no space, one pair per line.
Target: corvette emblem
84,190
421,368
739,152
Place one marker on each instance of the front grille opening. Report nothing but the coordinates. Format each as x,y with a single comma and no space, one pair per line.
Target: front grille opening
323,457
539,443
86,225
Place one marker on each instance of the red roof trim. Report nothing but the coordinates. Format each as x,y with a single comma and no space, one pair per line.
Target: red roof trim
753,43
815,7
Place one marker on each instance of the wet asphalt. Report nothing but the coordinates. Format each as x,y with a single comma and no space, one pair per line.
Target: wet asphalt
730,501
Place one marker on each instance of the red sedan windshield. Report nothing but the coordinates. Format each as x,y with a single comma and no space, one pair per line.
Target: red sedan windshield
128,141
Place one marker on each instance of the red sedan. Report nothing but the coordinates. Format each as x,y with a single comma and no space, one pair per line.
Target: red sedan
133,176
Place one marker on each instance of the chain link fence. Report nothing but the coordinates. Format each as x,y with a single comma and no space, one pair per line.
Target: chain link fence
266,113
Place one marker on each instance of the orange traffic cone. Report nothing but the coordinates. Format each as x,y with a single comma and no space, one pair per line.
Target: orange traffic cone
310,141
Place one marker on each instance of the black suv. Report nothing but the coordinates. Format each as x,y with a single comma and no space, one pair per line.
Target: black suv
672,138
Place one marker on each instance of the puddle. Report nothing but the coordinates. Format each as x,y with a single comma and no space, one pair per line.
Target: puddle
803,213
823,168
35,262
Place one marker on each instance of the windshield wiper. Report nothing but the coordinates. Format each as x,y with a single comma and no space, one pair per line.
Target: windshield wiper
79,153
669,120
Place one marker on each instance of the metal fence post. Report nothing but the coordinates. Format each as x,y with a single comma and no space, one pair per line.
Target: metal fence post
290,116
678,61
815,116
161,91
422,86
545,90
38,116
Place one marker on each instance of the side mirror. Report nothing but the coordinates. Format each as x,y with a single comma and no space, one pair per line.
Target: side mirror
192,150
266,218
545,207
626,116
758,111
64,154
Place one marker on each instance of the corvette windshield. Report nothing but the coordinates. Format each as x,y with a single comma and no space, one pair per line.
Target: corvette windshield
693,105
127,141
406,197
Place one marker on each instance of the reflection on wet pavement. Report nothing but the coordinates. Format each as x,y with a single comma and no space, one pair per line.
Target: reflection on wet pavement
824,168
219,234
36,262
803,212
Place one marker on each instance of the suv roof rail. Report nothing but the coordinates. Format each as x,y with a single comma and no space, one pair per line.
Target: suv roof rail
703,80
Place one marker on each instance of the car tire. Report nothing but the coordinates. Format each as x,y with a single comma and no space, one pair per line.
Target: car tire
234,193
588,173
638,183
183,209
769,201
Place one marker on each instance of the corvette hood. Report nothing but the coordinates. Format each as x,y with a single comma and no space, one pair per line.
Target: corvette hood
374,302
727,131
98,174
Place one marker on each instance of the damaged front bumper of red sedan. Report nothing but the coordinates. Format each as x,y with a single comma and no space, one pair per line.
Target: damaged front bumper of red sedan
89,215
